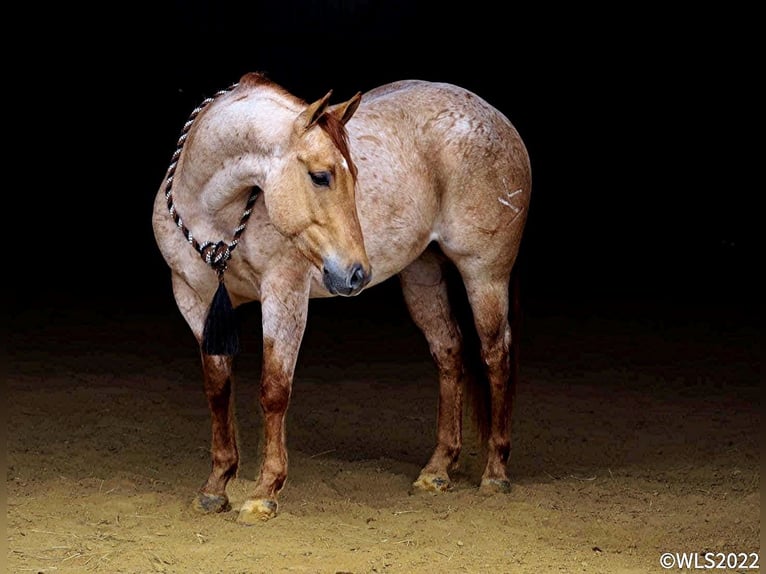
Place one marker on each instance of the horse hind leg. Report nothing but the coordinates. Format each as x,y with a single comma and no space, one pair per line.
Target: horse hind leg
488,297
426,296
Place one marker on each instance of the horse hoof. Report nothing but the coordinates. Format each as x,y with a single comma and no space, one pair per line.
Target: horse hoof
260,510
495,486
432,483
211,503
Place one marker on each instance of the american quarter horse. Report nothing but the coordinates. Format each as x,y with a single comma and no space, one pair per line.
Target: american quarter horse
400,181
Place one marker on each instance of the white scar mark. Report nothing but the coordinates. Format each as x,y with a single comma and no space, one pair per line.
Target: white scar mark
509,195
343,163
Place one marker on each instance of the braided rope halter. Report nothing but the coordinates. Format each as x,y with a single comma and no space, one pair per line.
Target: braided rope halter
216,254
220,335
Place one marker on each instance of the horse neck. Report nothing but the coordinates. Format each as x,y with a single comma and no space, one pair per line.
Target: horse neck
231,147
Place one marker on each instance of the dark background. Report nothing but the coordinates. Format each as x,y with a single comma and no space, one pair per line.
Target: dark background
632,120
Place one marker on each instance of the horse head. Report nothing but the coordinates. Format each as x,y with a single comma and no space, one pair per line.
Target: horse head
311,197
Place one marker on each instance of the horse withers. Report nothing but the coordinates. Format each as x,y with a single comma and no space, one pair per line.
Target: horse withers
298,201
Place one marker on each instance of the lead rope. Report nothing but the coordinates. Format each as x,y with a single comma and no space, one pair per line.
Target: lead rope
220,334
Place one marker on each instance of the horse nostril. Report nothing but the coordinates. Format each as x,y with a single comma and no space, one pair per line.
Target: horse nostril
357,277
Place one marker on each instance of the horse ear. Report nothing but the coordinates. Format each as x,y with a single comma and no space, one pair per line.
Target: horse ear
345,110
311,114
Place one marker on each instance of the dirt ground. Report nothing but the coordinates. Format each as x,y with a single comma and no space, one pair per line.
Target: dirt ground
636,431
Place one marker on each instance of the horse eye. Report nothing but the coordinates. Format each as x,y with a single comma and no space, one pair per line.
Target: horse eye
320,178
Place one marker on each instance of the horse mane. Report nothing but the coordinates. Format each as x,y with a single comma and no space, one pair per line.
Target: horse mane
260,79
331,125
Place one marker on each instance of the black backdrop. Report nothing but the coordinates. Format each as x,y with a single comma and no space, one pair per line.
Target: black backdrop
631,119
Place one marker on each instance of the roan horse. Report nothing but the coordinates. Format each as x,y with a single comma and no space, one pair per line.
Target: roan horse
398,181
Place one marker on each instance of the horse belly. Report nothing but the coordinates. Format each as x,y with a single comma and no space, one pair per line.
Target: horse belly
397,225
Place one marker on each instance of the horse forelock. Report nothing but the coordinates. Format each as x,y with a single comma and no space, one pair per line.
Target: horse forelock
334,128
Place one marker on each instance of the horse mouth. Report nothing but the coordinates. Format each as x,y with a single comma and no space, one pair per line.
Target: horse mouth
346,281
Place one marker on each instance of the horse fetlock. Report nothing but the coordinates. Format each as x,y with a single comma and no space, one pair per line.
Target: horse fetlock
257,510
224,467
211,503
430,482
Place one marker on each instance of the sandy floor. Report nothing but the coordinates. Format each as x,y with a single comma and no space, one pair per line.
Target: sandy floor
636,432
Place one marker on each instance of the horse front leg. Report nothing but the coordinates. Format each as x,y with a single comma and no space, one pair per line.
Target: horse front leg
225,456
217,376
284,311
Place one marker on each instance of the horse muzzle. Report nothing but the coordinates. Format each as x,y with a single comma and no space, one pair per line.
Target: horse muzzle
345,280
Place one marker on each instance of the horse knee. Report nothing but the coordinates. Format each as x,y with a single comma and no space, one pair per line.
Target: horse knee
217,373
275,395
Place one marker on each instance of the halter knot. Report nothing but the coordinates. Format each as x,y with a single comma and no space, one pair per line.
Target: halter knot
216,255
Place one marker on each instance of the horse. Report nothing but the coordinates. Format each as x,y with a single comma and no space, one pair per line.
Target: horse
402,180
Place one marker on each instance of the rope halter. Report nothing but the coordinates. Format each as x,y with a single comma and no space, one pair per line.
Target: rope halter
219,335
215,254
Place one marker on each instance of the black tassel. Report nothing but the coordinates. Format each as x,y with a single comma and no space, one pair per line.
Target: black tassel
221,333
